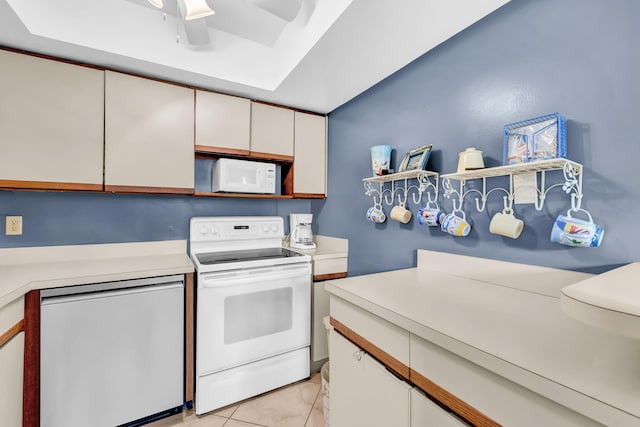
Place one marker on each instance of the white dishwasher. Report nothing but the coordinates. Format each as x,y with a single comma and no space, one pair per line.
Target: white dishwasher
112,353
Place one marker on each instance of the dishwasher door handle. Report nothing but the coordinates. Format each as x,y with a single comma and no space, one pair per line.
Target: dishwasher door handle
61,299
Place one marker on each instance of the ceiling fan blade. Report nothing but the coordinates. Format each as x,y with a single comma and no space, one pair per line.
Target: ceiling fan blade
284,9
197,32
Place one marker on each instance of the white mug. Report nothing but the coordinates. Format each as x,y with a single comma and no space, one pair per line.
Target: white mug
400,213
505,224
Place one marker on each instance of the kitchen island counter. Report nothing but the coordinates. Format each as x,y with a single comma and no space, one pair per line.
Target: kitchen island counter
507,318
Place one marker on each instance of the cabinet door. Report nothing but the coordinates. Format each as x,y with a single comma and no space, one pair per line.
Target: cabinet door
11,363
149,136
11,372
362,392
223,123
425,413
271,131
310,155
51,124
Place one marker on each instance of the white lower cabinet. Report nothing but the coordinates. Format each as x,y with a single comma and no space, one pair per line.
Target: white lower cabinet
426,413
363,392
11,372
11,366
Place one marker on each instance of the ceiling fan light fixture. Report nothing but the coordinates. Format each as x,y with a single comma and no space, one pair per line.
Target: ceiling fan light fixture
156,3
196,9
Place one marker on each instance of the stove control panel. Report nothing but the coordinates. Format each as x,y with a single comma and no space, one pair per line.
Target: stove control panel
235,228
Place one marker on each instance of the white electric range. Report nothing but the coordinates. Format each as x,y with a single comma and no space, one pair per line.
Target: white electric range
253,309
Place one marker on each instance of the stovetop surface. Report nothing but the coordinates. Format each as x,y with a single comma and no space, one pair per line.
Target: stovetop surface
211,258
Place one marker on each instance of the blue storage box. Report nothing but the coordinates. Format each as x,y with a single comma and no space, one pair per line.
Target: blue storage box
540,138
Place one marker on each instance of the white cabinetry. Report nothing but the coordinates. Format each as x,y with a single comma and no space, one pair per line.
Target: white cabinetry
496,397
364,392
425,413
271,131
310,156
11,364
223,123
51,124
324,268
149,135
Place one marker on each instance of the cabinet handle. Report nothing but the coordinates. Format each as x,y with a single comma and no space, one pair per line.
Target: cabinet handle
358,354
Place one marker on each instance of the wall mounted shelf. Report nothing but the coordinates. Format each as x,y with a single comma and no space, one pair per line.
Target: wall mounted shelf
427,181
572,184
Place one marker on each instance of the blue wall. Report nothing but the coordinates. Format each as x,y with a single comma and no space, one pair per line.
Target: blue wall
529,58
52,218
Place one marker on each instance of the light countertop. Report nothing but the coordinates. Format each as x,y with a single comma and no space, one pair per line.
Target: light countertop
507,318
327,248
25,269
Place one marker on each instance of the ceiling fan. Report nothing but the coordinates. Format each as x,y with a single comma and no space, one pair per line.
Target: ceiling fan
191,9
196,29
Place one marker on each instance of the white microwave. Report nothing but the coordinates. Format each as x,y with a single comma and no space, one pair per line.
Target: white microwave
243,176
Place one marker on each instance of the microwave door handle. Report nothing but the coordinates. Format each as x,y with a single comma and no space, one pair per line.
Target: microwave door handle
246,277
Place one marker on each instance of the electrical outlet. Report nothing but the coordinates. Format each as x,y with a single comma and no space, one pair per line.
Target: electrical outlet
13,226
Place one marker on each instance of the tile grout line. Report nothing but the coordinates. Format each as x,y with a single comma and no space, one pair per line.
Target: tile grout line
313,406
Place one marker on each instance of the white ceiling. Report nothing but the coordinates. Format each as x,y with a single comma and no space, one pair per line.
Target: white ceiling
309,54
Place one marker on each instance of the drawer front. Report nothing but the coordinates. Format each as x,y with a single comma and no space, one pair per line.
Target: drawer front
329,266
388,337
488,392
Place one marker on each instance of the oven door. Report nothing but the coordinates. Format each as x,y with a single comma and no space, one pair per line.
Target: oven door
248,315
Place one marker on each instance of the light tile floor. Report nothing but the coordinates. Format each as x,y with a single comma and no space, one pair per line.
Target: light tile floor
296,405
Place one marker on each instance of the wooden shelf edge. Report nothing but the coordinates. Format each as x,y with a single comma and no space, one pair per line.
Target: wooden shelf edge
7,184
244,195
147,190
207,150
309,196
331,276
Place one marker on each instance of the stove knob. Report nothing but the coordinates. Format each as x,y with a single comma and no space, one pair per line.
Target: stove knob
214,230
274,227
265,228
204,230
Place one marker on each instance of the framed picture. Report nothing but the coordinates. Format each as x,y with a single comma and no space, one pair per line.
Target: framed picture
415,159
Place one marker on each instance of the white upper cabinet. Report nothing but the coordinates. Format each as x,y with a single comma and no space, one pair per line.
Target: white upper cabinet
51,123
271,131
149,135
310,156
223,123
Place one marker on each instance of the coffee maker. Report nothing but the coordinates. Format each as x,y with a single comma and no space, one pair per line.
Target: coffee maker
301,236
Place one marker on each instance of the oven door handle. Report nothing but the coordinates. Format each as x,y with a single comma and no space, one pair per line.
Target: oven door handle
221,279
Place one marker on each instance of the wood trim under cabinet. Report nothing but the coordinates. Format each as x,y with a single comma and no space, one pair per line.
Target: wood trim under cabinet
31,379
399,368
244,195
44,185
221,150
189,335
323,277
146,190
11,332
269,156
309,196
459,407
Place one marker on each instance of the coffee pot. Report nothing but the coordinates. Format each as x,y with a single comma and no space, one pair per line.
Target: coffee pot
301,236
